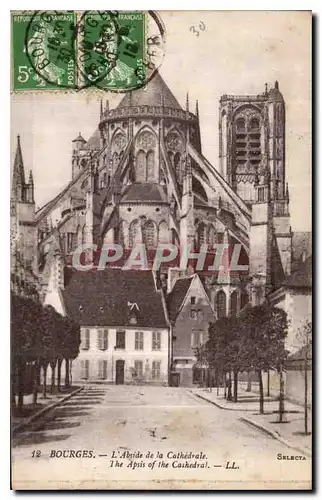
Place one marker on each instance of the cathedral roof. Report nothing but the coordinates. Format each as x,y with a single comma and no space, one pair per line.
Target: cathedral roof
138,192
152,95
104,298
94,141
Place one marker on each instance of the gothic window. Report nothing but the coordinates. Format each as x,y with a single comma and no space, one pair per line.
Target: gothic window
150,166
174,141
133,232
211,235
233,303
221,304
177,166
201,234
254,125
163,232
115,161
149,236
140,167
84,235
79,235
240,125
119,141
170,156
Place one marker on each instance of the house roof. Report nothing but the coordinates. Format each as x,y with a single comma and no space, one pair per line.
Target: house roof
79,138
144,192
177,296
151,95
105,298
302,277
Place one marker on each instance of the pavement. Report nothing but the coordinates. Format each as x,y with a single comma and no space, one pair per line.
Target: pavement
87,442
290,431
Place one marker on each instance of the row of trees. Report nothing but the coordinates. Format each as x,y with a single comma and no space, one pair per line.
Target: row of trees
252,342
40,337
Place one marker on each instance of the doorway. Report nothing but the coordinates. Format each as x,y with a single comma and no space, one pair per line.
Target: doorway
119,372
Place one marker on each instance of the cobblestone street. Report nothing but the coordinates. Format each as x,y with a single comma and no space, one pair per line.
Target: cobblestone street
110,420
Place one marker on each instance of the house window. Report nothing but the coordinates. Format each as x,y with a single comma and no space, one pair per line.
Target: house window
102,369
85,339
138,368
193,301
197,338
84,369
156,341
120,339
156,370
193,314
139,341
200,315
102,339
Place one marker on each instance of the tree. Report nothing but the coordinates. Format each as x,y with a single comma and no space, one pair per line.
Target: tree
304,335
263,331
222,350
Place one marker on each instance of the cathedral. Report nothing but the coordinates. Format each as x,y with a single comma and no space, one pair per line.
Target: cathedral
142,178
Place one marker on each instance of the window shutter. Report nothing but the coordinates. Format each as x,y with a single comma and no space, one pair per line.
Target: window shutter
99,339
104,369
105,340
86,368
87,338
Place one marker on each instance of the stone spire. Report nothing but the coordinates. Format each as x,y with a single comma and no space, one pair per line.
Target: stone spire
197,108
18,176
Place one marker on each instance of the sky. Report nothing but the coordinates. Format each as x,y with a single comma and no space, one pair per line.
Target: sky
237,53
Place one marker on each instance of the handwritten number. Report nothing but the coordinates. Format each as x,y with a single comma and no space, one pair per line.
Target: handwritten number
201,27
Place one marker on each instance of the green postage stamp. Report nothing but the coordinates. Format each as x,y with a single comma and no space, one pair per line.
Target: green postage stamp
74,50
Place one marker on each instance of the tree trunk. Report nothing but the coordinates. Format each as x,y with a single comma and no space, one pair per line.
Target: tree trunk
235,385
225,384
44,386
229,395
36,383
268,382
59,363
67,382
53,372
281,399
21,373
249,382
261,392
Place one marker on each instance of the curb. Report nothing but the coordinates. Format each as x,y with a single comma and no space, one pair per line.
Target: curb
23,425
275,435
219,405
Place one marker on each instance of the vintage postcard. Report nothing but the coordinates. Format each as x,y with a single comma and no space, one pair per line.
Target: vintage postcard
161,250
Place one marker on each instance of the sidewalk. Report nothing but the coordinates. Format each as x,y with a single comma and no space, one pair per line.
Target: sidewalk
31,412
290,433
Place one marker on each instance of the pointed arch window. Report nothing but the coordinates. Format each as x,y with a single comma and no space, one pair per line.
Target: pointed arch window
177,166
140,167
149,234
150,170
201,234
84,235
221,304
163,232
233,303
79,235
133,232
